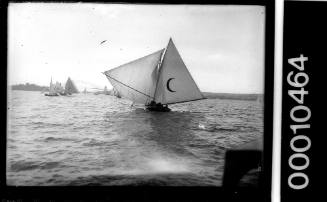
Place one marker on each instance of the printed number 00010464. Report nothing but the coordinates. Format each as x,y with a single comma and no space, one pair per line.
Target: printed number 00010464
300,115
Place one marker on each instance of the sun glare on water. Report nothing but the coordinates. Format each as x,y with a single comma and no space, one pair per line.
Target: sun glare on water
161,165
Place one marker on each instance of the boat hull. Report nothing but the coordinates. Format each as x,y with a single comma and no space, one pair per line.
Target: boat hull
65,94
158,109
51,94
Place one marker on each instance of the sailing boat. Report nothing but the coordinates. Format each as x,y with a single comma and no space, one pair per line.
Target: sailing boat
58,88
105,91
52,90
155,80
70,88
116,93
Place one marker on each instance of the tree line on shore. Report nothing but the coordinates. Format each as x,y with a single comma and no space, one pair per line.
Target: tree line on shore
29,87
232,96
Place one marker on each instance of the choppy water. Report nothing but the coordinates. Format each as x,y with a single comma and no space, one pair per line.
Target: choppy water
91,139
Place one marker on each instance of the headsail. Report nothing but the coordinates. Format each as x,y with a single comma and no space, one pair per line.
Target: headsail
175,83
136,80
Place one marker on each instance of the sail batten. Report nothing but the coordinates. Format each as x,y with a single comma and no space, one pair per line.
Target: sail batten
51,88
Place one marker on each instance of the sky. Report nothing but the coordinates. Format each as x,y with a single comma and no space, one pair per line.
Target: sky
222,46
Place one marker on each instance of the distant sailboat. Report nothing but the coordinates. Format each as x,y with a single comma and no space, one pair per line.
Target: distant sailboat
105,91
58,88
70,87
155,80
52,90
116,93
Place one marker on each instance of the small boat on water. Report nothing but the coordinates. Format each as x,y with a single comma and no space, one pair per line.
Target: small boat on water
105,91
116,93
52,90
156,80
57,89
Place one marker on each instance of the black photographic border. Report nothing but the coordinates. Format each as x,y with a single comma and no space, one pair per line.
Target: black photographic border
148,193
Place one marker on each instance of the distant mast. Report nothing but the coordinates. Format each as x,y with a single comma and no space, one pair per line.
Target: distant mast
160,77
51,88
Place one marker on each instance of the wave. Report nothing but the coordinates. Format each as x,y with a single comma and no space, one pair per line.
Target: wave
219,128
94,142
49,139
41,124
215,128
188,179
23,166
32,165
50,165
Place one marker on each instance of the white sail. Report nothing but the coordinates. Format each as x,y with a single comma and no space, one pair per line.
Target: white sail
58,88
136,80
175,83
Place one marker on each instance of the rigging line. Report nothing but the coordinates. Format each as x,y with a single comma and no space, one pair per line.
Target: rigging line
128,86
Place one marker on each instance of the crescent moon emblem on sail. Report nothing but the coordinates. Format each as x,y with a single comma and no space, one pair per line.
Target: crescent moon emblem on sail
168,87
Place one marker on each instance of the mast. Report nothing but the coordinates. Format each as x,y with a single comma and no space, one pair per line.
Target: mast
51,90
160,64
